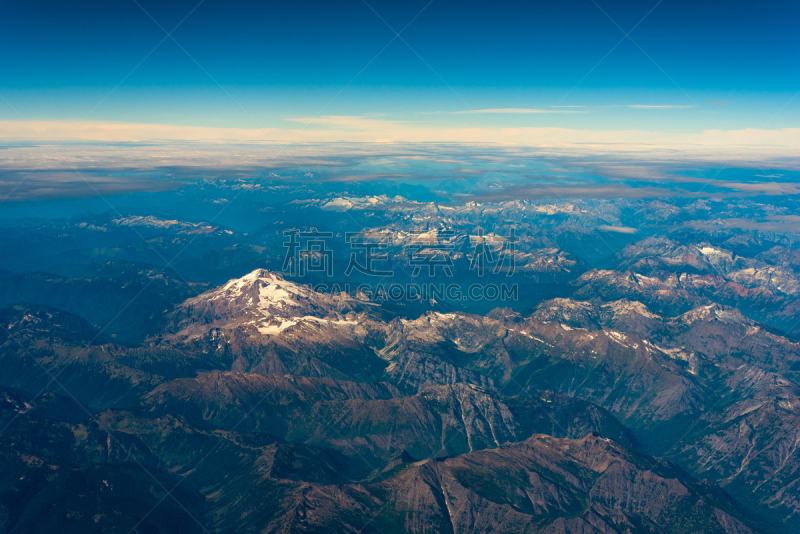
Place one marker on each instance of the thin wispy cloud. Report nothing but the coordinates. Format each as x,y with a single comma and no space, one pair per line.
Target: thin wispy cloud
657,106
517,111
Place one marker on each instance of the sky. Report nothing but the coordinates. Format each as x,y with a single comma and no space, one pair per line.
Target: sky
370,70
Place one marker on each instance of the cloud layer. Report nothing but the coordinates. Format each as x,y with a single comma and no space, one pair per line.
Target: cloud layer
726,144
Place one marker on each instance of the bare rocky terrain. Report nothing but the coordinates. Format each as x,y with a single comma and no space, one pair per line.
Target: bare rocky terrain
652,387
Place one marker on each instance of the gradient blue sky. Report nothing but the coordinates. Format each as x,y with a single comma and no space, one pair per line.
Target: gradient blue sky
727,65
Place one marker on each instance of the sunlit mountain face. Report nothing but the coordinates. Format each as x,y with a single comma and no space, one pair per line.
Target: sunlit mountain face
400,267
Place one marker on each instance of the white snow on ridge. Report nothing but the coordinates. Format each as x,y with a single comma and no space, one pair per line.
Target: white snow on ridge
328,321
715,311
284,323
149,220
713,252
619,338
272,291
272,329
238,284
630,306
348,203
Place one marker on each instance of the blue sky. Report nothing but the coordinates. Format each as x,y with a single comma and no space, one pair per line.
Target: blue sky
690,66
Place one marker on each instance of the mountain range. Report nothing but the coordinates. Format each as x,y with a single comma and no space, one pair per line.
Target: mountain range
649,382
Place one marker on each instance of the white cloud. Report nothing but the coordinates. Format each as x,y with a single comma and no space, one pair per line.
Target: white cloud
618,229
721,145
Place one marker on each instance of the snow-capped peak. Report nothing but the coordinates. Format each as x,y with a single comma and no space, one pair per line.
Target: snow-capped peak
268,294
271,287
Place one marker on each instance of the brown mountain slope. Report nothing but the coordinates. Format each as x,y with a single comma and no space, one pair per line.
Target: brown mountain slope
543,485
